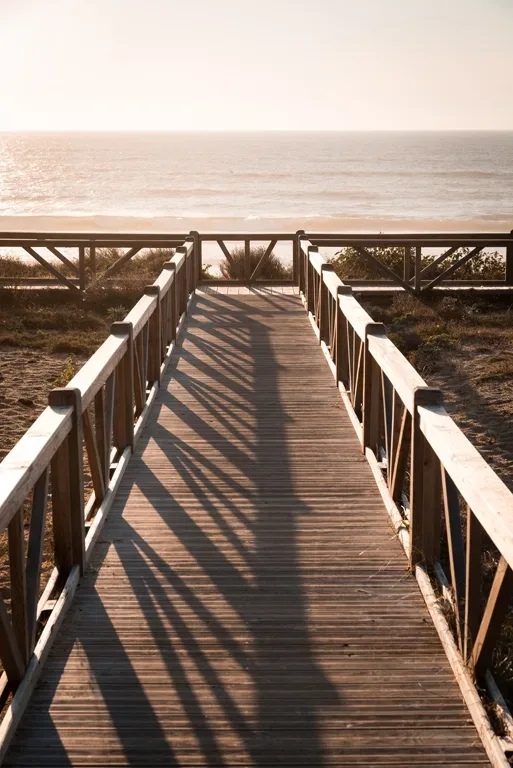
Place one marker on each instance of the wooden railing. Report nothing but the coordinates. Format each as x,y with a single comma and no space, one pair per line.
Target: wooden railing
94,423
80,262
453,251
442,496
447,253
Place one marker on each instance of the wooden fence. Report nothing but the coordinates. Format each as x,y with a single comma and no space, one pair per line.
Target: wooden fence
416,276
443,498
94,422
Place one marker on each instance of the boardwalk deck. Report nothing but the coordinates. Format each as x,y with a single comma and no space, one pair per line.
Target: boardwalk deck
247,603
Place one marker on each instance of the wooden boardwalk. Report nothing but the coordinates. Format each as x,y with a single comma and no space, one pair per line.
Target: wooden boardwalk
247,603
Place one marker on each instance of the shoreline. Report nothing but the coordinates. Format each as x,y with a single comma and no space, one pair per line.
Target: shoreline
222,224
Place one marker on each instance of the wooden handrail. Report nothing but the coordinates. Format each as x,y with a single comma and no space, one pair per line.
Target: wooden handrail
120,380
421,460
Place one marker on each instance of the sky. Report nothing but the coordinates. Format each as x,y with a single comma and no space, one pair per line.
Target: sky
256,64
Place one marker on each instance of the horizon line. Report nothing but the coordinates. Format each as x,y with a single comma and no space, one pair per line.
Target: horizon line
253,130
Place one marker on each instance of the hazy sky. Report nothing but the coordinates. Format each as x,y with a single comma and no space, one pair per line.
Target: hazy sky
256,64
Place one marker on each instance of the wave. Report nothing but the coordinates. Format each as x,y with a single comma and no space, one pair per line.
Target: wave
314,222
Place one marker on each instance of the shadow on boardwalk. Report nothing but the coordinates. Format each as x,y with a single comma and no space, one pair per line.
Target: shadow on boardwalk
228,584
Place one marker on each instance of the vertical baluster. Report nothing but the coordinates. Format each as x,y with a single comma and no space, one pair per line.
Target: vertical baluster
425,491
35,554
155,334
74,442
16,536
370,393
341,354
100,426
247,259
124,402
455,549
93,454
473,577
418,268
324,297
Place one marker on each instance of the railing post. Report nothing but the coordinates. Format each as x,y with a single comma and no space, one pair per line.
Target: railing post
81,268
371,390
509,264
182,286
418,268
247,260
198,256
425,486
296,262
310,291
170,331
407,264
341,360
92,260
75,478
154,336
324,297
123,427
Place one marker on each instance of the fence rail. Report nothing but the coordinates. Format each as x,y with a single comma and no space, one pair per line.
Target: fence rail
95,422
441,494
453,251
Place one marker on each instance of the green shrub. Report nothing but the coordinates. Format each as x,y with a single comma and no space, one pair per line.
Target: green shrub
351,265
272,269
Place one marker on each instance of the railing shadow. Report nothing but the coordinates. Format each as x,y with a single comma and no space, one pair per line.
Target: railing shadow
230,453
216,582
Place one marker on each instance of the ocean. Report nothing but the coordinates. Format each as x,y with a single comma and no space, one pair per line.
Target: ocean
174,182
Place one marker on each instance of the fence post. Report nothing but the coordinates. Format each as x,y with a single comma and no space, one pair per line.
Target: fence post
310,303
296,263
341,361
123,427
75,477
81,268
371,390
509,264
170,331
154,336
198,256
407,264
425,486
324,297
418,268
247,260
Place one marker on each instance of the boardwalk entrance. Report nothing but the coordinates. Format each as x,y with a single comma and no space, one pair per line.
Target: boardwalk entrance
248,602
